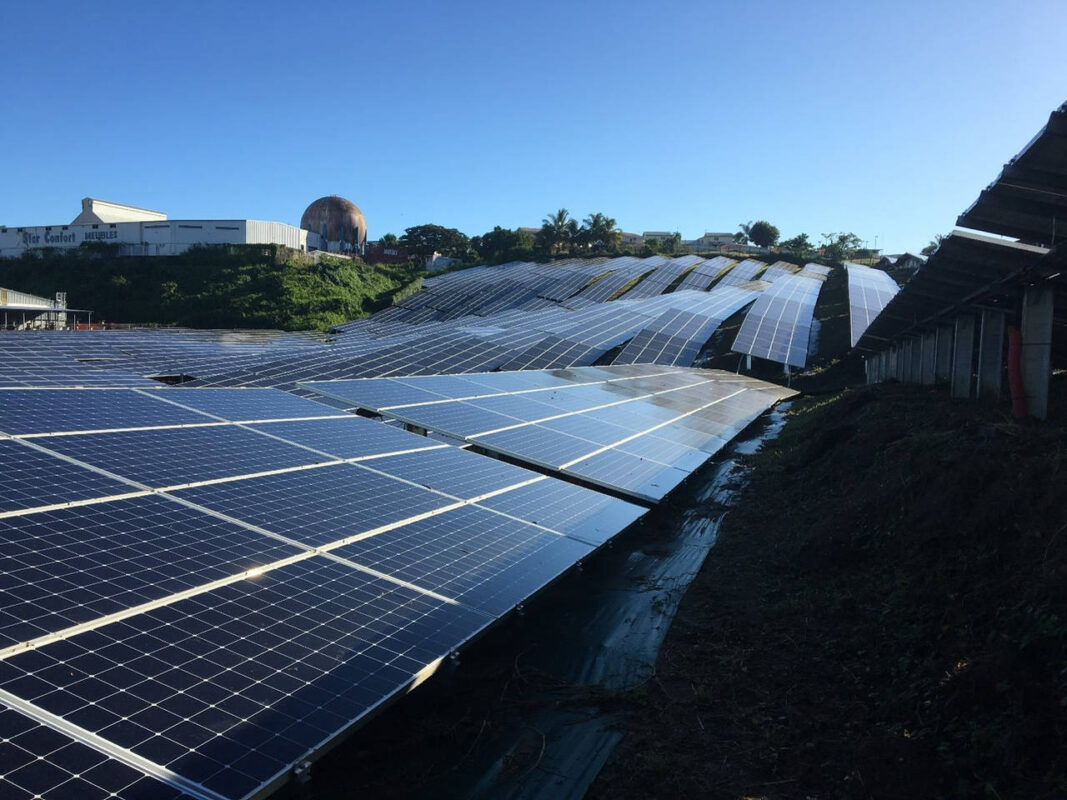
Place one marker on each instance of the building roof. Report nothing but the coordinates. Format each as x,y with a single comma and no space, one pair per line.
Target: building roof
95,211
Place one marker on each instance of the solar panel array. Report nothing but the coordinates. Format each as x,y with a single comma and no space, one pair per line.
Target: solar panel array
815,271
677,336
741,273
660,279
201,587
639,430
869,291
704,274
614,282
524,316
778,269
778,325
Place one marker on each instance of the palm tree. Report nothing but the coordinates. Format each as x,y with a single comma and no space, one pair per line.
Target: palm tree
599,233
742,236
557,229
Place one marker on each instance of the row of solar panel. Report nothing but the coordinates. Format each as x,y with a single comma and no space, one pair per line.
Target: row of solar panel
639,430
778,325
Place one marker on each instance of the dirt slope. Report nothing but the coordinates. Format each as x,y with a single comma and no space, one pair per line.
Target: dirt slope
884,616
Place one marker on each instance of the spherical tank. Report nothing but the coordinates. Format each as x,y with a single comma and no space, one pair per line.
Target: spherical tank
337,219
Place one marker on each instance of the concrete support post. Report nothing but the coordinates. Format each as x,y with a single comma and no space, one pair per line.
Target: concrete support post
928,362
963,357
991,354
915,361
1037,348
943,367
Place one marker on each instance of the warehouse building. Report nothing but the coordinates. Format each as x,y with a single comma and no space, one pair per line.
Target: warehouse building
330,223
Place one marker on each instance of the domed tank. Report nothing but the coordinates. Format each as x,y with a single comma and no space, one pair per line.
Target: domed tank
336,220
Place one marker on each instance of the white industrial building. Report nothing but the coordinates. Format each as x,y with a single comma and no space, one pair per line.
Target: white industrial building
25,311
142,232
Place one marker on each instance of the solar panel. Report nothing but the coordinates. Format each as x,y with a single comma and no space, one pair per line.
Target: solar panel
704,274
741,273
319,506
52,411
206,638
869,291
564,507
778,269
677,336
488,562
230,687
31,478
778,325
247,404
175,456
626,404
68,566
40,762
815,271
350,437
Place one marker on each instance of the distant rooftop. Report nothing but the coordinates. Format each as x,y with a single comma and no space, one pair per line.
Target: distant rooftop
96,211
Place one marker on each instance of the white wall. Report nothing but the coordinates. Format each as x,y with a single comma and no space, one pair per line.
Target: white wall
156,238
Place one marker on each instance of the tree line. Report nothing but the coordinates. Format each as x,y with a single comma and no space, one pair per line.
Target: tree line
562,235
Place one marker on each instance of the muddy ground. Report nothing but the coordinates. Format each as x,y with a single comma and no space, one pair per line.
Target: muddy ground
884,616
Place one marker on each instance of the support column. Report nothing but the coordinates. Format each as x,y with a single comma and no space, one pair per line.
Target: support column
927,360
963,357
943,367
991,354
897,360
915,361
1037,348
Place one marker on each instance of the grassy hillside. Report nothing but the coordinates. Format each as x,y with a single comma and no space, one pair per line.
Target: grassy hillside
246,286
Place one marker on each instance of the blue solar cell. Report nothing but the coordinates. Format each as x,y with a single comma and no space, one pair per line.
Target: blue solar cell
55,410
538,445
39,762
318,506
485,560
572,510
69,566
30,478
230,687
459,473
458,419
177,456
645,479
352,437
248,404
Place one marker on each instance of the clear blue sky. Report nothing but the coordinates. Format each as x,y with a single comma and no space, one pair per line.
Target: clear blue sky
882,118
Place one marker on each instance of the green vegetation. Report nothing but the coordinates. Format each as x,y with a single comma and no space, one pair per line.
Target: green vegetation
761,233
425,240
246,286
501,245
